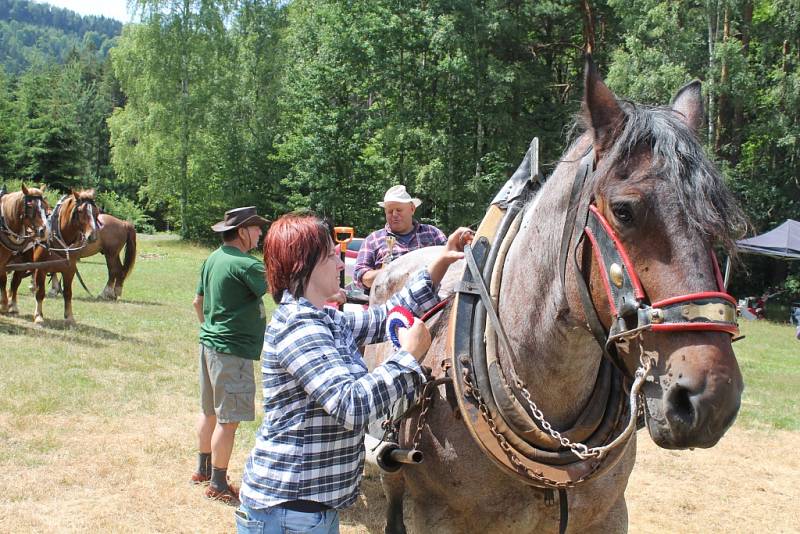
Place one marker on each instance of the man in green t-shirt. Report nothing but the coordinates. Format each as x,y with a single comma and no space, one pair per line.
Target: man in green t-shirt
232,320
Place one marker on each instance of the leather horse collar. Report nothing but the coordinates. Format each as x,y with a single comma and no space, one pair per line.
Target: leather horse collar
495,405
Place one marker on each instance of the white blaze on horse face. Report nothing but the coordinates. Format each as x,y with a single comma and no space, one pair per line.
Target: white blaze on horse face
45,220
91,217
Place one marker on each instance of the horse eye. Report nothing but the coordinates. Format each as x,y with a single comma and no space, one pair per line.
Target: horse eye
623,212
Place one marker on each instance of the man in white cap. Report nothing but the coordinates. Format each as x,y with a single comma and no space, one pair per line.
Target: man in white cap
401,234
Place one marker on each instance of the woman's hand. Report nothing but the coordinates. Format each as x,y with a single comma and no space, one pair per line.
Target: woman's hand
415,339
453,251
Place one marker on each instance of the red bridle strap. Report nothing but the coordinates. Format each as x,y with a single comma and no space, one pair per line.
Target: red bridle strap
713,311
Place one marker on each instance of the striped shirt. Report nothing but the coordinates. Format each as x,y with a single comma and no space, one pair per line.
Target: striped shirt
319,398
374,252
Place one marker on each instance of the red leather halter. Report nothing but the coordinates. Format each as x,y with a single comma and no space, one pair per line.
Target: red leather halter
709,310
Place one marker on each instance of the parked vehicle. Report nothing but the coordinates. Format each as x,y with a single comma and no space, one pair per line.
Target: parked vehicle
351,254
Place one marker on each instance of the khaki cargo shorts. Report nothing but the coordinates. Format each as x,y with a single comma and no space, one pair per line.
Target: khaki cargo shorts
227,386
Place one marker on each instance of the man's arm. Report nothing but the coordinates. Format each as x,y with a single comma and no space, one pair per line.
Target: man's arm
364,272
368,278
198,308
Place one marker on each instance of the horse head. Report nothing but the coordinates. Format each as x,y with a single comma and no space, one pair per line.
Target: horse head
84,214
33,212
658,204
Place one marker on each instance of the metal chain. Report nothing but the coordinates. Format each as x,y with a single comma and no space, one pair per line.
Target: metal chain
425,403
579,449
509,450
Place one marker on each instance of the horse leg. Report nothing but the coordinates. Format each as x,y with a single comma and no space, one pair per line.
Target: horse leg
55,285
114,275
67,286
3,294
16,280
394,487
39,282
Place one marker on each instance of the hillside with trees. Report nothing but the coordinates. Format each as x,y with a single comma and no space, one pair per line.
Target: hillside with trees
33,32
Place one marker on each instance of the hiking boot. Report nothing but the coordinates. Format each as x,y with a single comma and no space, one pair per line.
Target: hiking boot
229,495
199,478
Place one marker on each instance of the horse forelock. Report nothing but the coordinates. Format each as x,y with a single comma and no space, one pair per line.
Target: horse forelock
13,203
678,158
86,194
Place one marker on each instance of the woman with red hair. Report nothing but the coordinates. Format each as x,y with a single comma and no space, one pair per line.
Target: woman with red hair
319,395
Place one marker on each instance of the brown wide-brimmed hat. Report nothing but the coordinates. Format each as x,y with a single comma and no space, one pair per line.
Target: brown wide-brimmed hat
240,217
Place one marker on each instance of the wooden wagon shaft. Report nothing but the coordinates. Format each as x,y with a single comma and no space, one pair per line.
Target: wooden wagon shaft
30,266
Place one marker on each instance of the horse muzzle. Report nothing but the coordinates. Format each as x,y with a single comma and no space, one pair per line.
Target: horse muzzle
694,398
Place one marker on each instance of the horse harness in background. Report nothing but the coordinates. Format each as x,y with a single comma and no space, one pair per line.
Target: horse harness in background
56,238
16,243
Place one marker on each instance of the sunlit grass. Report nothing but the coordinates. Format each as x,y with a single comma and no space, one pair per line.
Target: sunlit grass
769,358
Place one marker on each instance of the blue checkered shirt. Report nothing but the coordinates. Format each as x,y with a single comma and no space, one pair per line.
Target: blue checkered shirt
319,398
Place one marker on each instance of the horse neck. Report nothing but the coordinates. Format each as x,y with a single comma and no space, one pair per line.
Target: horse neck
12,206
555,355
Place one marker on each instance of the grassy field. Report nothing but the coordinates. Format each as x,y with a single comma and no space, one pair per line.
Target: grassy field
97,421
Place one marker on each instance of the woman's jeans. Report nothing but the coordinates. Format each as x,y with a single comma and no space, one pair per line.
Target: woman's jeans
279,520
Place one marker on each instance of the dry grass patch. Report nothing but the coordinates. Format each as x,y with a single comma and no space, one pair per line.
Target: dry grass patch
97,424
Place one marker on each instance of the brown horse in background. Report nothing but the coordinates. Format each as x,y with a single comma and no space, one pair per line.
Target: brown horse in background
636,181
73,224
23,224
113,234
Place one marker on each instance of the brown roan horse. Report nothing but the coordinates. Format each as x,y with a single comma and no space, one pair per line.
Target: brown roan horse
112,235
73,223
23,223
647,197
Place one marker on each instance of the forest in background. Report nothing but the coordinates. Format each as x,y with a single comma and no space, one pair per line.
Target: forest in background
323,104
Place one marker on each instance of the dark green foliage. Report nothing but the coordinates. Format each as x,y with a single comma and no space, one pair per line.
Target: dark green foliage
324,104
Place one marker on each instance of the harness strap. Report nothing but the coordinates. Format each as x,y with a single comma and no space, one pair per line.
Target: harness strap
586,168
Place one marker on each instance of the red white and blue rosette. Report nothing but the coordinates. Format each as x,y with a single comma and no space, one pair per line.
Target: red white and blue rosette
399,317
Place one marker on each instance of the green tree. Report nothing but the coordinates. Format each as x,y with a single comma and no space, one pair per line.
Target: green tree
48,139
169,69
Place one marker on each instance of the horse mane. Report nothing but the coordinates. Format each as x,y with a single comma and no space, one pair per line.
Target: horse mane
16,199
680,160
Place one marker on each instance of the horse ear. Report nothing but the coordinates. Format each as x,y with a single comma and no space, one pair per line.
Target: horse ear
605,114
688,102
43,187
24,189
75,194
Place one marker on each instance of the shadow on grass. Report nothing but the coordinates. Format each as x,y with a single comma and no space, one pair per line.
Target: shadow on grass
57,328
120,301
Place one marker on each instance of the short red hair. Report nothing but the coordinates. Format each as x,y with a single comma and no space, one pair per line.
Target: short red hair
294,245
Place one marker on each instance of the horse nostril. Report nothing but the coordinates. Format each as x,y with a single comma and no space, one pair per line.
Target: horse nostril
680,405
